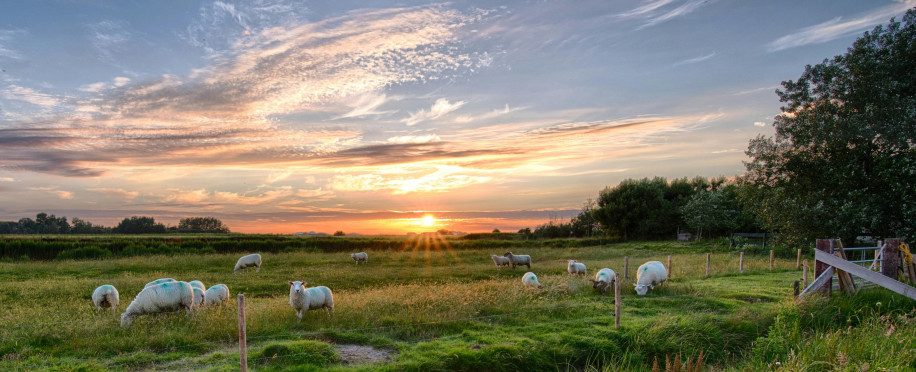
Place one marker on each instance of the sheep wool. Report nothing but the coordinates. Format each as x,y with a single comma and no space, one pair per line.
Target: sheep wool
604,279
305,299
531,280
518,259
198,284
361,256
163,297
499,261
105,296
248,261
198,297
648,275
576,267
159,281
216,295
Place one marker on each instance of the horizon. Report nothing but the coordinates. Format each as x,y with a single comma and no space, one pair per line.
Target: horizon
280,117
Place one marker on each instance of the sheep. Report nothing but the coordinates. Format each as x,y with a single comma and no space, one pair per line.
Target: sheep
518,260
169,296
216,294
248,261
199,296
529,279
604,279
304,299
648,275
500,261
198,284
159,281
576,267
105,296
361,256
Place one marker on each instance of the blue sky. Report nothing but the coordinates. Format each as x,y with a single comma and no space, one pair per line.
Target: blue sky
283,116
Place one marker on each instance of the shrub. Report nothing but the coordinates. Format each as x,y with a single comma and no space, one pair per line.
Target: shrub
91,252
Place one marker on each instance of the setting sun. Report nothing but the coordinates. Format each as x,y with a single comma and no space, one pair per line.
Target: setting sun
428,220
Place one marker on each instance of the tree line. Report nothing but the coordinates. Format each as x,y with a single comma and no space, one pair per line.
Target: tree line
51,224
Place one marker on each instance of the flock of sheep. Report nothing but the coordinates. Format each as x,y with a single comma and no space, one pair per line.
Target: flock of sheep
167,294
648,275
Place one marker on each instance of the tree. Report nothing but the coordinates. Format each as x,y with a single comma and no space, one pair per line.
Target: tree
496,231
339,233
636,209
707,210
843,159
139,225
202,225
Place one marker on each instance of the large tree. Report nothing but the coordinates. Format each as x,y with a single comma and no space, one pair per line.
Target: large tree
843,158
202,225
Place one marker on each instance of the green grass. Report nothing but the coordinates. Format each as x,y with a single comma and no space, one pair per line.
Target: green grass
430,308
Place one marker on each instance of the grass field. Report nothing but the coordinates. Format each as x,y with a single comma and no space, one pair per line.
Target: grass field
434,308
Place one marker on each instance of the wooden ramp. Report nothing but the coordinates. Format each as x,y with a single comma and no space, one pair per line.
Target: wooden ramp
859,271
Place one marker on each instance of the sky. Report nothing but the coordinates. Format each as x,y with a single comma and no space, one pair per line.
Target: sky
280,116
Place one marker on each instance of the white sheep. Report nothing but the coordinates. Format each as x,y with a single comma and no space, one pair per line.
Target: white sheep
361,256
159,281
604,279
198,284
248,261
518,259
199,296
648,275
529,279
576,267
216,295
105,296
169,296
305,299
500,261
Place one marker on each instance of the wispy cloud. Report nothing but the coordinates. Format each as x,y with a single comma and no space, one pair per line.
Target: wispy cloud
54,191
837,27
116,192
694,60
7,37
221,24
109,38
30,95
490,115
367,104
426,138
443,178
759,124
441,107
659,11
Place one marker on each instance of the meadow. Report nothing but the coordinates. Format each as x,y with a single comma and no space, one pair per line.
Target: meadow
429,307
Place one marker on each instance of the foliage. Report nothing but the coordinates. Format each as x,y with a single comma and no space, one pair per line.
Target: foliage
843,159
202,225
139,225
339,233
707,210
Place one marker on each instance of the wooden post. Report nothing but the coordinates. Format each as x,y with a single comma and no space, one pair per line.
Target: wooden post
798,260
805,275
243,347
741,263
795,289
707,264
823,245
771,259
626,267
616,300
669,267
890,261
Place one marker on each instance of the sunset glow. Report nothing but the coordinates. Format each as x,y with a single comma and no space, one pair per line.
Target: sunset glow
281,116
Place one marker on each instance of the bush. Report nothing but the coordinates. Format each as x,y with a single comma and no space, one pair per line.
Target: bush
91,252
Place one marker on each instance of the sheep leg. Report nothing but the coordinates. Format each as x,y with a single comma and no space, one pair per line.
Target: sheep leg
529,265
327,311
298,316
258,269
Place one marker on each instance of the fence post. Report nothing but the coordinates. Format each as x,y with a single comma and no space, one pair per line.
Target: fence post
805,275
824,245
669,266
795,289
798,260
741,263
771,259
707,264
616,300
890,258
626,267
243,347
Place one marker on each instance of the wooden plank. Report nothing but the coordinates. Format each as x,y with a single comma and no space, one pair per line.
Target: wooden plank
824,245
819,282
891,257
846,283
871,276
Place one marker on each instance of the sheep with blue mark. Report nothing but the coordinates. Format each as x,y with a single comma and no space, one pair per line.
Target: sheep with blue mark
159,281
216,295
604,279
648,275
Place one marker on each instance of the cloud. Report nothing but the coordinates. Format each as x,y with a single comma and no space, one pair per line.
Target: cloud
489,115
367,104
7,179
658,11
441,107
837,28
109,39
202,197
759,124
277,177
118,193
645,9
219,25
15,92
7,37
53,191
101,86
444,178
694,60
427,138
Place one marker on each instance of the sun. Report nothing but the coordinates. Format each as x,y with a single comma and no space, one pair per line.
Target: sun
428,220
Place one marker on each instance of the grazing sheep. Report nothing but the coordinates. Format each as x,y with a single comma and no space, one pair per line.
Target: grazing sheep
531,280
361,256
604,279
105,296
648,275
198,284
518,260
198,297
159,281
216,295
576,267
248,261
305,299
169,296
500,261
